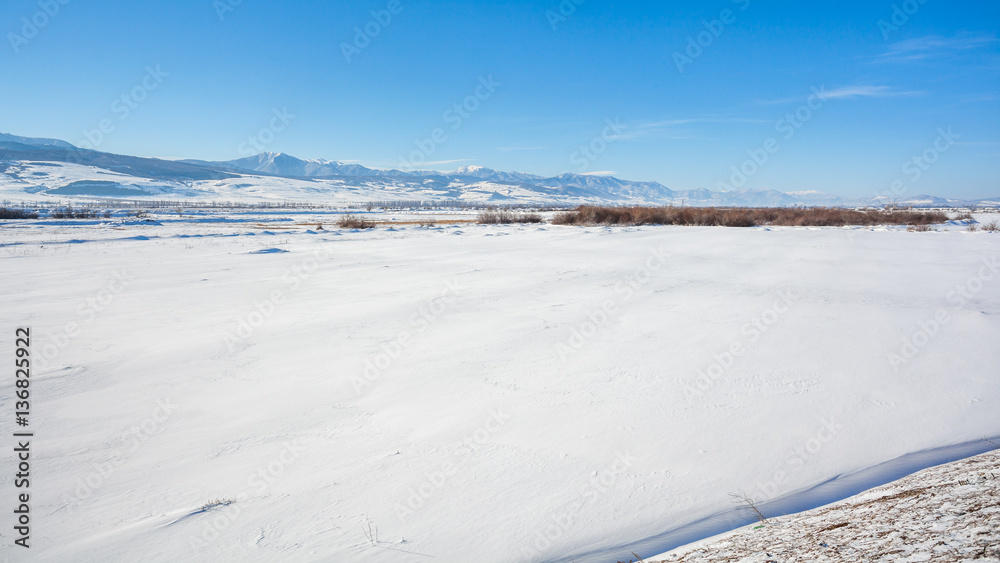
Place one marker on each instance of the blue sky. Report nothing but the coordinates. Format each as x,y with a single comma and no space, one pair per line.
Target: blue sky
685,93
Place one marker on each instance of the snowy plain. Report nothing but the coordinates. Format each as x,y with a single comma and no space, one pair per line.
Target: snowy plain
264,390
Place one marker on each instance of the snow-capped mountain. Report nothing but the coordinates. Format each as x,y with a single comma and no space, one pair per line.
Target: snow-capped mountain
497,176
45,168
280,164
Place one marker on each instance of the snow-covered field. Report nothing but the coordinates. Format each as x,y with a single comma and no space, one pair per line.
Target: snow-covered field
268,391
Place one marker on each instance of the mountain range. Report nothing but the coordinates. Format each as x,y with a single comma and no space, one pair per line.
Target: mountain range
38,168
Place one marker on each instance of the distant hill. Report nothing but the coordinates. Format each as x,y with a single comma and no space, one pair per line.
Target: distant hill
15,140
140,167
280,164
272,175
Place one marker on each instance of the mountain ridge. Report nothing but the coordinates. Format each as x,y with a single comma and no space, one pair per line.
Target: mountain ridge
471,183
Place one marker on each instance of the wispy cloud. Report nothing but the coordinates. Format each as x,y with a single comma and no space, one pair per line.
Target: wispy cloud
980,98
934,46
509,149
600,173
677,129
689,121
857,91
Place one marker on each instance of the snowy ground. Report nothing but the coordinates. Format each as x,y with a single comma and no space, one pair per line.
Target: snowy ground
238,391
946,513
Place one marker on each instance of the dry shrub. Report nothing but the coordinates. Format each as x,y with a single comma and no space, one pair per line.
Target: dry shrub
69,213
992,226
565,218
353,222
507,217
6,213
590,215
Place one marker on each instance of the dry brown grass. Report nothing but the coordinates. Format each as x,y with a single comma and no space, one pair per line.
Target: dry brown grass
506,217
589,215
353,222
902,517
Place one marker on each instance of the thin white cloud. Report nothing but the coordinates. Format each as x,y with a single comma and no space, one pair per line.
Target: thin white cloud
600,173
508,149
933,46
676,128
689,121
979,98
857,91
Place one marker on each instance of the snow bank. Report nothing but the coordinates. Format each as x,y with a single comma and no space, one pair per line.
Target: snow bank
946,513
